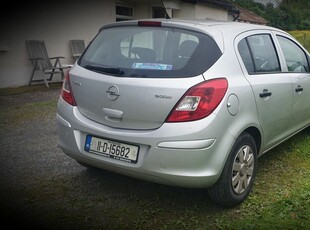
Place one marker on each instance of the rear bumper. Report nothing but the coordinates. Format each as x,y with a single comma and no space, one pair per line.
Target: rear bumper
181,154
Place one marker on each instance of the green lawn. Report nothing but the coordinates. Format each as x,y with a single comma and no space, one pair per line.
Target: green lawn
303,36
281,195
29,89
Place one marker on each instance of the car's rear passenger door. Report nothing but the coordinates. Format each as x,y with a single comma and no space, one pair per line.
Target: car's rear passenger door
272,90
297,67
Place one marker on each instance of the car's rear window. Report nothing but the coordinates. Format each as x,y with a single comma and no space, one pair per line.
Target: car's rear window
150,52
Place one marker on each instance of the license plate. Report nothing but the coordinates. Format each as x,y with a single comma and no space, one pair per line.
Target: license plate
112,149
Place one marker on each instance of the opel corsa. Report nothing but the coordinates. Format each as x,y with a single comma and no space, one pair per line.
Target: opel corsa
185,103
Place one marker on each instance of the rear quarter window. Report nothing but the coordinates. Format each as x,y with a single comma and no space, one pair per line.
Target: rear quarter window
150,52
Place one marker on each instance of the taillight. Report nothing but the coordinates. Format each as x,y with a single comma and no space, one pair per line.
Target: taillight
66,92
199,101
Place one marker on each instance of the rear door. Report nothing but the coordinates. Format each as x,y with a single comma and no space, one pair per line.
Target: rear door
297,67
272,90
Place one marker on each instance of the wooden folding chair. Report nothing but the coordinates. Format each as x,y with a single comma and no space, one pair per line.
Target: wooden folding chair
77,48
42,62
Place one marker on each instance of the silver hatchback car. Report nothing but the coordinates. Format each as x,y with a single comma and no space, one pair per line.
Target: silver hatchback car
185,103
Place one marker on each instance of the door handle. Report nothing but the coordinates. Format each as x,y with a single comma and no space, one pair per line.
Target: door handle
299,89
265,93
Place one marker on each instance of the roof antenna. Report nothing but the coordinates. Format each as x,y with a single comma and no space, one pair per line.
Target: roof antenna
166,14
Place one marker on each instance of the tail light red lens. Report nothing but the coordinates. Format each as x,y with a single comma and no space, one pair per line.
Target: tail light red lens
66,92
199,101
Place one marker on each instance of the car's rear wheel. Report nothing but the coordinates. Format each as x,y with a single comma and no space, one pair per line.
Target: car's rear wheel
238,175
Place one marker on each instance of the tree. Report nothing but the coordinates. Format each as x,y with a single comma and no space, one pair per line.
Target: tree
288,15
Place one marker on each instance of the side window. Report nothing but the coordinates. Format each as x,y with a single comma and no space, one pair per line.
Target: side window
144,40
140,45
263,53
295,57
258,54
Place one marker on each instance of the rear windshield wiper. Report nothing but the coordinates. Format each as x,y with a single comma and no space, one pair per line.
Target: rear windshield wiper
110,70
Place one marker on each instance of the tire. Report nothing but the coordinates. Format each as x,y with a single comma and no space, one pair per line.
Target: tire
235,183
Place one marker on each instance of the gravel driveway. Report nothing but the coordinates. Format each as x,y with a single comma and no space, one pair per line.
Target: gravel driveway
31,162
41,187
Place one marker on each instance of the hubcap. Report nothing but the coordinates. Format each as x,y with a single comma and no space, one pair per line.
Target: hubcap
242,169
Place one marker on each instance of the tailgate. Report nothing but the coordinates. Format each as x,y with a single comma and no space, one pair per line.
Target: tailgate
129,103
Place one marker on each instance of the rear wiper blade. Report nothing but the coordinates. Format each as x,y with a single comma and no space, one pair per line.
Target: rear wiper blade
110,70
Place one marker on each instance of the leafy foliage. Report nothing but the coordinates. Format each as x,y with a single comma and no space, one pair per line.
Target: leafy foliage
287,15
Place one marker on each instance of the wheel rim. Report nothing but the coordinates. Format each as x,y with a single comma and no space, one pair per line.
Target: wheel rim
243,168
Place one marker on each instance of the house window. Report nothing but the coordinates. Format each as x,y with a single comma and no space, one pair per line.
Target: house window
124,13
158,12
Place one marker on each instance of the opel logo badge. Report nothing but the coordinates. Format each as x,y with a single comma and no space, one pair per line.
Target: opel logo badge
113,92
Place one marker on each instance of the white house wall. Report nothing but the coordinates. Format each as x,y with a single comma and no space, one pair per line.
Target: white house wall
203,11
142,11
187,11
200,11
56,24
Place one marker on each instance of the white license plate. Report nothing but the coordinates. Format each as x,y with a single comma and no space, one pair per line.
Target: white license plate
112,149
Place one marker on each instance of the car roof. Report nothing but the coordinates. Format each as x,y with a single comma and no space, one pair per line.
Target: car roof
217,29
195,23
209,26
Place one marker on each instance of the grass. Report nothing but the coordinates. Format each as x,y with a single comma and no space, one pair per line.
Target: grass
303,36
281,195
15,114
280,198
28,89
